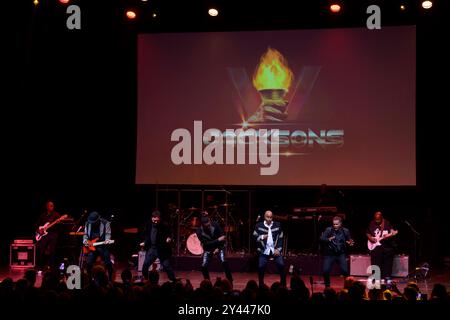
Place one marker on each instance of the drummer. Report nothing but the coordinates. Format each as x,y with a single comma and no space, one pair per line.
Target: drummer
213,241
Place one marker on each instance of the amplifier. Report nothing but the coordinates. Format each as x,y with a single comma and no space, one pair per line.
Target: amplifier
23,241
22,255
360,263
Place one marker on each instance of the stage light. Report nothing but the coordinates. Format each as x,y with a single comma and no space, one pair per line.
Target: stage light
154,15
213,12
402,7
131,14
35,2
64,1
427,4
335,8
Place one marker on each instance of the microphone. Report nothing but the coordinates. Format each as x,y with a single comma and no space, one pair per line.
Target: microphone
311,282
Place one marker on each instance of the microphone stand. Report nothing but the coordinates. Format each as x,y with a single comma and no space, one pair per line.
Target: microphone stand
228,217
416,236
77,224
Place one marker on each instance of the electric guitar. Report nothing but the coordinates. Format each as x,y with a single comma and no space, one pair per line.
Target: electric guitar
380,236
42,231
91,244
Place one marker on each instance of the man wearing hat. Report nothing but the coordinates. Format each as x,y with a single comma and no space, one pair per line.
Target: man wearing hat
98,229
157,243
212,238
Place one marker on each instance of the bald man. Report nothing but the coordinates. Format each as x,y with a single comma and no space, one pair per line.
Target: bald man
269,238
380,232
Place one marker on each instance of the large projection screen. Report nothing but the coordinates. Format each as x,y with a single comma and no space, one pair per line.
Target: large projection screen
342,102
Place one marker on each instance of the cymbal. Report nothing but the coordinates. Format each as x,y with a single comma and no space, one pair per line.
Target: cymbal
193,209
225,205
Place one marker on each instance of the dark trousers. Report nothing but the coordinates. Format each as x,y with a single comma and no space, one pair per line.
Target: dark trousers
263,258
328,262
207,255
46,249
104,253
150,257
383,257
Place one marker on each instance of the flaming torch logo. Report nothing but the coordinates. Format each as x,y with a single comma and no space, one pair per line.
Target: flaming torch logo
272,78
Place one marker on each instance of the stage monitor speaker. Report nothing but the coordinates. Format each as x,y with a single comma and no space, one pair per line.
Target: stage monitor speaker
401,266
22,254
360,263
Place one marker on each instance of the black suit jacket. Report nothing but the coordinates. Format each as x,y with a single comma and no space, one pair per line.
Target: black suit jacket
262,230
209,240
164,248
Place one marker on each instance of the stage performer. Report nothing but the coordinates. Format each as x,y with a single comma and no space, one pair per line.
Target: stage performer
381,244
157,243
335,239
213,241
269,237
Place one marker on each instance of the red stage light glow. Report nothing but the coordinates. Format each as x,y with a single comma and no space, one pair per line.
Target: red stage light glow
335,8
131,14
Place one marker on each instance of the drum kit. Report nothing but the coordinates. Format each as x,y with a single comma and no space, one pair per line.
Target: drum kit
190,219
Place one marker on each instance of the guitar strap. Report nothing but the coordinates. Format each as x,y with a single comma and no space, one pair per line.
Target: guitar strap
380,228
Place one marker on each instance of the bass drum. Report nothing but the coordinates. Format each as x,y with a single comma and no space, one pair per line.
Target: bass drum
194,245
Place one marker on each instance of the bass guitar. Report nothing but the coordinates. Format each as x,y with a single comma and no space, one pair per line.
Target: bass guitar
42,231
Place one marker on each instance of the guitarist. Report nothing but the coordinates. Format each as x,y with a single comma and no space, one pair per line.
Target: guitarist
382,255
46,247
336,240
98,229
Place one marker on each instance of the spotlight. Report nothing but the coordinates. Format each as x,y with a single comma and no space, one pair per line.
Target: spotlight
335,8
213,12
131,14
35,2
427,4
154,15
64,1
402,7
